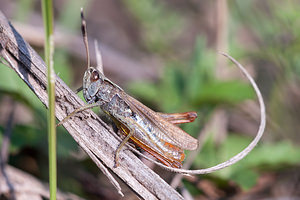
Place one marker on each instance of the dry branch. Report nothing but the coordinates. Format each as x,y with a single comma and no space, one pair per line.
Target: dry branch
86,128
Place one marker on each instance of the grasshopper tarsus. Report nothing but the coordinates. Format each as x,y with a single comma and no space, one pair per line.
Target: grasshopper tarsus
117,164
78,89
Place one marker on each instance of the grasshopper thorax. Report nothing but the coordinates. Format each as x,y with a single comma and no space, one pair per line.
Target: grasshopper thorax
92,81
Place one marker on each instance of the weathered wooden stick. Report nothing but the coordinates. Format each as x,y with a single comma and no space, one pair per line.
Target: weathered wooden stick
86,128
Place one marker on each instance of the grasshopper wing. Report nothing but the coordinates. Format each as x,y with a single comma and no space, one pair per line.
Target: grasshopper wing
169,132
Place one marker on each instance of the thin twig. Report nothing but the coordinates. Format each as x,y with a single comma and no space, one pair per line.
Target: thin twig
245,151
98,57
221,12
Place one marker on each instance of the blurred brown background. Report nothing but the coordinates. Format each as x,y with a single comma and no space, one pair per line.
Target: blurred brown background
166,54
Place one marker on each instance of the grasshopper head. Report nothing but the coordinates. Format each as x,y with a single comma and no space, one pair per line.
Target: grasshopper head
92,78
92,81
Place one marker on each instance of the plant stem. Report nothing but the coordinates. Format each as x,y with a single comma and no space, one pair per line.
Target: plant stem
47,10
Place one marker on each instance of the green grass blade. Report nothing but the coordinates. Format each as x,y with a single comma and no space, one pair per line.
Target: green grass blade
47,10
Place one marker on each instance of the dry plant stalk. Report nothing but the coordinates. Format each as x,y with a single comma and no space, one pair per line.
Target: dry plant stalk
90,132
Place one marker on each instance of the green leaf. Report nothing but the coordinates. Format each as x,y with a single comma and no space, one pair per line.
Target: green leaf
12,83
246,178
274,154
24,135
170,90
230,92
201,69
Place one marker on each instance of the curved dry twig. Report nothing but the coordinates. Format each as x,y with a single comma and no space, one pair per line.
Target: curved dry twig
240,155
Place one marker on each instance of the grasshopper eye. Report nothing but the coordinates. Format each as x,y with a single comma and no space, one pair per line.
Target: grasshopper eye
94,76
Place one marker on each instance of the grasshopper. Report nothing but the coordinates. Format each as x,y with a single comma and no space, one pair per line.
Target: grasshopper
154,132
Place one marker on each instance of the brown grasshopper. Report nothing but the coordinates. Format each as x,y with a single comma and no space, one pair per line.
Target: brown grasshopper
154,132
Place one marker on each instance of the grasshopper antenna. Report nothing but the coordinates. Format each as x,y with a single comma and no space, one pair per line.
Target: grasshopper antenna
85,39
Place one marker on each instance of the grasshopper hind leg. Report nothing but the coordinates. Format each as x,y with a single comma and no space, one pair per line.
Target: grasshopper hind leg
179,118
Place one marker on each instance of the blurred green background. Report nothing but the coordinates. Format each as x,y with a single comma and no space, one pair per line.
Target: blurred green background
166,54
